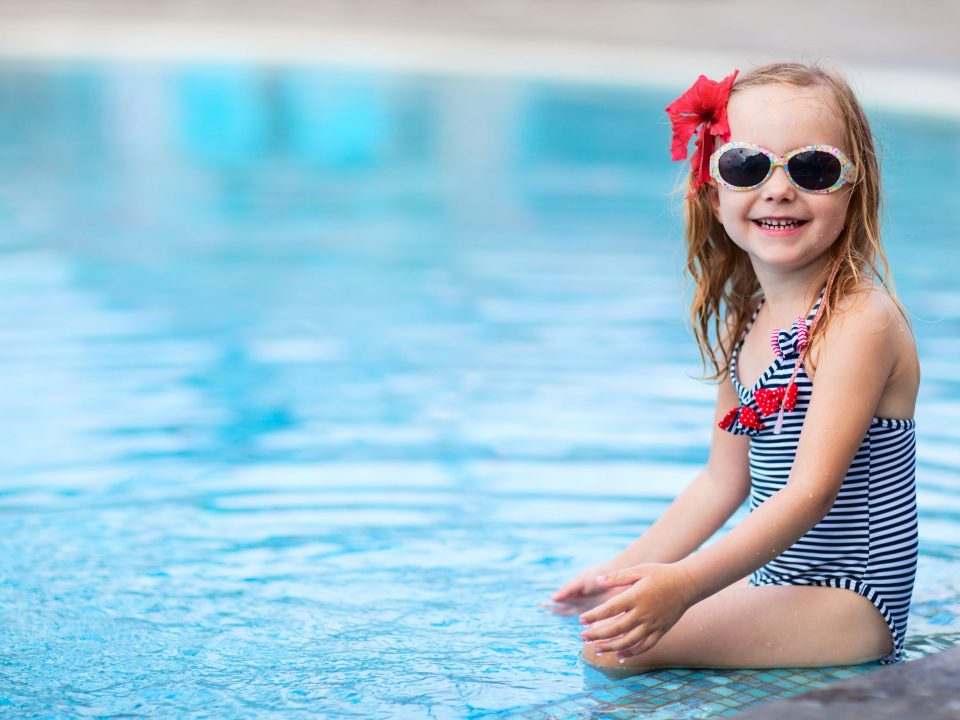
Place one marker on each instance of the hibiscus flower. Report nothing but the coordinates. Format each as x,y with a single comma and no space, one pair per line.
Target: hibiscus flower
705,103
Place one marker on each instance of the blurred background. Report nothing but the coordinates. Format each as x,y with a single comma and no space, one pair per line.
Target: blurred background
335,335
900,52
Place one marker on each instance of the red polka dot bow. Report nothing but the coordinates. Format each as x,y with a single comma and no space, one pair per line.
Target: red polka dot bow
744,416
768,401
771,400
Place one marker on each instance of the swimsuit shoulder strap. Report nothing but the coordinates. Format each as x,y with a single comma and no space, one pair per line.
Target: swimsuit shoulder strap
816,306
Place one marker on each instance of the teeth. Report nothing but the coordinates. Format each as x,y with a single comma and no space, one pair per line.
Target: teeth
778,224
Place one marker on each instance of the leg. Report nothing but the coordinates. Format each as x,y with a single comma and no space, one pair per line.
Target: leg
768,626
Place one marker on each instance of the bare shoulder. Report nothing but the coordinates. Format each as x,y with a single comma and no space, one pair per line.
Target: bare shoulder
870,310
869,324
873,304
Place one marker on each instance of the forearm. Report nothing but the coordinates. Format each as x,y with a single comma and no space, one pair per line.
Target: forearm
698,512
765,534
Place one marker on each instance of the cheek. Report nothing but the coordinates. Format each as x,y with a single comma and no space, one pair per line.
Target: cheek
834,211
733,207
833,217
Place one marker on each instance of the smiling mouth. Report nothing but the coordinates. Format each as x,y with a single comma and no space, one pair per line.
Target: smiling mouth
780,223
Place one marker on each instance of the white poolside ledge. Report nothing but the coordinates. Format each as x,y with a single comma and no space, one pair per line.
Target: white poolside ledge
460,52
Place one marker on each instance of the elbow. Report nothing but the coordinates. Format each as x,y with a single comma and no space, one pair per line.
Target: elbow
826,505
818,498
740,495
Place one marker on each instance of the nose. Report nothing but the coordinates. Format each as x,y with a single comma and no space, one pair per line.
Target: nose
778,187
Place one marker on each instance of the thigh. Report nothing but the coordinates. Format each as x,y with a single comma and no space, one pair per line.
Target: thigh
768,626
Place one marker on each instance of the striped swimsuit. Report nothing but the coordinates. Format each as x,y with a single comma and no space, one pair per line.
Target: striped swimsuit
867,542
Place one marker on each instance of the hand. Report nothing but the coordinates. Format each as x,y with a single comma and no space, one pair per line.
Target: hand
655,597
584,590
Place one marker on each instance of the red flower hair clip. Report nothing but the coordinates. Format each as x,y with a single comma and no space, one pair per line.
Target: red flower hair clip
705,103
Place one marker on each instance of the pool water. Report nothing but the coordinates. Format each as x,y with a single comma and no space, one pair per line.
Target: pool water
316,383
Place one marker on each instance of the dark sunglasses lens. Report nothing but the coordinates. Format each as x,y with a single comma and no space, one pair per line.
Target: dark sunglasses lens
814,169
743,167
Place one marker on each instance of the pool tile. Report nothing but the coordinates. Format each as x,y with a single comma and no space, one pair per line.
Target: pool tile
678,694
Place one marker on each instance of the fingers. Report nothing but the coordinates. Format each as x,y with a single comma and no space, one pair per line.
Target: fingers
590,583
564,608
612,607
582,603
631,637
586,583
571,589
560,596
627,576
635,642
581,586
641,647
583,592
575,595
606,631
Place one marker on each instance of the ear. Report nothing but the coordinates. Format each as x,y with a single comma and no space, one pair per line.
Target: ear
713,195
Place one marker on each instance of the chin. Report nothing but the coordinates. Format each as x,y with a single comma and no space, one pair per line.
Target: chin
785,260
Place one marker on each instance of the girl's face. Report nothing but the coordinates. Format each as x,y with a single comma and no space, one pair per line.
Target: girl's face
781,118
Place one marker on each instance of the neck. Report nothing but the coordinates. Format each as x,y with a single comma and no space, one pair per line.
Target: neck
788,294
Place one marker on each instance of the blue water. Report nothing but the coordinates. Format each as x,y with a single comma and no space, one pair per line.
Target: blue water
316,383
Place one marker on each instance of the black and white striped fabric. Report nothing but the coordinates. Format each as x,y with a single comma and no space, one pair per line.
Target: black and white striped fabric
867,542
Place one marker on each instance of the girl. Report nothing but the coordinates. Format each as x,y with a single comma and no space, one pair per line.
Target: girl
814,422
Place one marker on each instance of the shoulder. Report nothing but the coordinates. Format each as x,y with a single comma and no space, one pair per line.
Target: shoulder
867,322
868,311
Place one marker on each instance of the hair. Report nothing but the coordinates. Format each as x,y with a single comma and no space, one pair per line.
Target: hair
726,287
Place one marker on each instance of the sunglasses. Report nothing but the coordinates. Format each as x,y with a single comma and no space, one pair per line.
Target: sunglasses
814,168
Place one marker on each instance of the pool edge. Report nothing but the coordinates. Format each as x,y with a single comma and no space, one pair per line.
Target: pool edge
924,688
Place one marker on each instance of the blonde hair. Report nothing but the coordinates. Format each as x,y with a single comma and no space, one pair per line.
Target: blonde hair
726,287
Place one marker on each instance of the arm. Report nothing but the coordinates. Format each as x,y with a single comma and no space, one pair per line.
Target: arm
698,512
850,381
706,503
